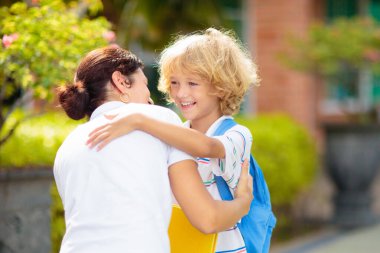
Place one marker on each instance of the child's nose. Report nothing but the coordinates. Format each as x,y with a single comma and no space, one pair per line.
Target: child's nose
182,91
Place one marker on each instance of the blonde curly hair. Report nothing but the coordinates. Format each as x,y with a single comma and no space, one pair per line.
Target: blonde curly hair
215,56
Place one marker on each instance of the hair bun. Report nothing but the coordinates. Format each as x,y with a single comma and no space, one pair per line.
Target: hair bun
74,99
79,86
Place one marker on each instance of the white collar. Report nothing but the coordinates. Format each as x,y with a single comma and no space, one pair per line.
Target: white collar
214,125
108,106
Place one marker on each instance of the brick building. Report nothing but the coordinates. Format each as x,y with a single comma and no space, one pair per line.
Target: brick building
307,99
266,25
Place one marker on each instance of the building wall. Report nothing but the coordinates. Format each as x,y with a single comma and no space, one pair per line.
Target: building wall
282,89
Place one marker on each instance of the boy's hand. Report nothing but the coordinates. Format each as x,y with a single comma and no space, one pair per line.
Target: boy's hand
244,188
103,135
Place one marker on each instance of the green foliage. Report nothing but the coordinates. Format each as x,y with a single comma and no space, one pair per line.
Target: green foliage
57,215
286,154
41,46
35,142
349,43
153,23
282,147
51,38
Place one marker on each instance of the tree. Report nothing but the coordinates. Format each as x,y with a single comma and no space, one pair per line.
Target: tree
353,43
41,45
152,23
345,53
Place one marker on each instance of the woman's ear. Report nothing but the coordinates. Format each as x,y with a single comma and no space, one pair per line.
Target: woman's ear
119,81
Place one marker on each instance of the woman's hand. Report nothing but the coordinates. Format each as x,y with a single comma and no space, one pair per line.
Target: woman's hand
103,135
244,188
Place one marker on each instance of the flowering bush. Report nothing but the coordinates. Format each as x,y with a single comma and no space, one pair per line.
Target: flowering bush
36,141
8,39
342,53
40,47
351,43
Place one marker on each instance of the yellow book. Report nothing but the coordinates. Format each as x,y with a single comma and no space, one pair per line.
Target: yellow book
184,238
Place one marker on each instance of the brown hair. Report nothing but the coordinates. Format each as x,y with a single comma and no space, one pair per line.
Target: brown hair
94,72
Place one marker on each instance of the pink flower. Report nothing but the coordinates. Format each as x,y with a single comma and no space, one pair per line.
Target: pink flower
114,45
372,55
9,39
109,36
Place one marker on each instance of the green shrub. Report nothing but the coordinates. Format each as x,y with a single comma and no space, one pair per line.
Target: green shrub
41,42
36,141
57,226
288,158
285,152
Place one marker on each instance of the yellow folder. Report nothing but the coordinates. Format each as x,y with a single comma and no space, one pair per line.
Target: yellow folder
184,238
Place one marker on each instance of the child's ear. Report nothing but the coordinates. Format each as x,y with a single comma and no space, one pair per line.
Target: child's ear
219,94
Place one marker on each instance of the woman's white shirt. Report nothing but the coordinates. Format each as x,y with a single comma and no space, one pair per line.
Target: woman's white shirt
117,199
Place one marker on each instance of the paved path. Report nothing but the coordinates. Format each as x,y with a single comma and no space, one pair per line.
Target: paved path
363,240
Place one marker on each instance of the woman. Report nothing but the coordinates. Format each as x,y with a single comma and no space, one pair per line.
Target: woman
119,199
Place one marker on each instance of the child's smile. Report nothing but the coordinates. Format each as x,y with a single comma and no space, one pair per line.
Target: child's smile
196,99
187,105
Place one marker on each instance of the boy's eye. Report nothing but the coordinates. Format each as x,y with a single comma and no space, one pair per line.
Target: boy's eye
193,84
173,83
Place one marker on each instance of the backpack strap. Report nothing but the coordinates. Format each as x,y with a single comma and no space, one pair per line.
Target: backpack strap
224,126
223,188
260,188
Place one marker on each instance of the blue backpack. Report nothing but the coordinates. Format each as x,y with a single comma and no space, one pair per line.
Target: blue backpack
257,226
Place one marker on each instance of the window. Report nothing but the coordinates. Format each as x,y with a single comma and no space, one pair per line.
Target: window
341,8
374,11
344,88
